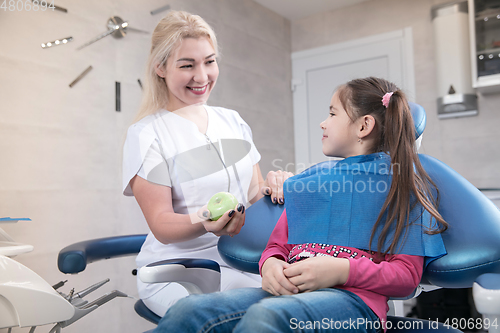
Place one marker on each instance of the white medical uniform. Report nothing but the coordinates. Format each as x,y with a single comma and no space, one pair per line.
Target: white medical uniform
169,150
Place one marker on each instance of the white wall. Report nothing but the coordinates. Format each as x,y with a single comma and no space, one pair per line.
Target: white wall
61,147
469,145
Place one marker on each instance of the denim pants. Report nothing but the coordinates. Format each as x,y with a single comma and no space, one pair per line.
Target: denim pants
255,310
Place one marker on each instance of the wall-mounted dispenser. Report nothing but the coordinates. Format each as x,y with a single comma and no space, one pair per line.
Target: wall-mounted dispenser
457,97
484,25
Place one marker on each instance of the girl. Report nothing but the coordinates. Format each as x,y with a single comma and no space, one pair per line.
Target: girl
367,226
180,152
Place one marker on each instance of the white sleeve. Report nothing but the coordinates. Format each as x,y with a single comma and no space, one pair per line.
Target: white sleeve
142,156
247,135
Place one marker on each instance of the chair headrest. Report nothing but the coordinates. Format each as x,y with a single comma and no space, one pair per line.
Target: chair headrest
419,118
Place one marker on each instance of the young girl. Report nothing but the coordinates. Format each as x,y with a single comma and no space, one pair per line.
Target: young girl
367,226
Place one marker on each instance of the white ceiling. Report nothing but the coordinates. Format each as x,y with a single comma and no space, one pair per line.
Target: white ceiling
295,9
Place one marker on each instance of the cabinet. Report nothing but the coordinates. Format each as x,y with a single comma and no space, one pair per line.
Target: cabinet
484,18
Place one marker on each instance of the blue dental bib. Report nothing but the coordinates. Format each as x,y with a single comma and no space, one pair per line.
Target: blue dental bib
338,202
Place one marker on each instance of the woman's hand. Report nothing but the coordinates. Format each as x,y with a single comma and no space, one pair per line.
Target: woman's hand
273,279
228,224
318,272
273,185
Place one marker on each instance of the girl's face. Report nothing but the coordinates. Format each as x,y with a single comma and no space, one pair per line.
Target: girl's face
190,73
339,132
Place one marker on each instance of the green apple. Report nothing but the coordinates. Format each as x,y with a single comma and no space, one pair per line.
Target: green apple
220,203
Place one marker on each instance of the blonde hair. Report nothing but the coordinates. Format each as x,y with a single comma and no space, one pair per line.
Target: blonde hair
170,31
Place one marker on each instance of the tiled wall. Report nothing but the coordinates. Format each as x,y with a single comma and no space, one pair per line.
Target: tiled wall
255,75
61,147
61,158
469,145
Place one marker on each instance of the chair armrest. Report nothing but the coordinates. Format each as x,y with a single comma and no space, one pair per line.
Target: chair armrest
75,257
486,293
198,276
243,251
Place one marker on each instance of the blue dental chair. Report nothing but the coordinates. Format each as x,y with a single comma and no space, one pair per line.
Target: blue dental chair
472,242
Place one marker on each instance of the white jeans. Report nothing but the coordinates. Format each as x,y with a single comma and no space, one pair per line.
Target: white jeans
172,292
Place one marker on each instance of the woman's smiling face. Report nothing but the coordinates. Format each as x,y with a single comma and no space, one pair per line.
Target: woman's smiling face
190,73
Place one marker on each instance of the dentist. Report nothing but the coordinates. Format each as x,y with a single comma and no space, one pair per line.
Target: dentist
180,152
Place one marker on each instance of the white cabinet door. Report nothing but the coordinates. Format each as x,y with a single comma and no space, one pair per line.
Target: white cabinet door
317,73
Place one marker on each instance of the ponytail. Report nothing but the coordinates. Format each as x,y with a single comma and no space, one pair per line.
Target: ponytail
410,183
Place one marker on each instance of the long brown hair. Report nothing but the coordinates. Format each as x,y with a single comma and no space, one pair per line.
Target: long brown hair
395,135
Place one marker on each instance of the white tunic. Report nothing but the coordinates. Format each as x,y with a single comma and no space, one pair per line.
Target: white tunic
169,150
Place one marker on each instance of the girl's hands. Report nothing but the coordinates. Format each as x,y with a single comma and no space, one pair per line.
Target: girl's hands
228,224
273,279
317,273
273,185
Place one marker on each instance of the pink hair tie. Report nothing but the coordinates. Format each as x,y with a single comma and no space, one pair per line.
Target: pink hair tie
386,98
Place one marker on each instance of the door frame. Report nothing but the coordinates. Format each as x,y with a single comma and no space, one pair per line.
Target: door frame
301,132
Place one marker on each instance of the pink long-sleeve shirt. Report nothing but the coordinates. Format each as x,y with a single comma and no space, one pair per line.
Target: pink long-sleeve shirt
395,276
